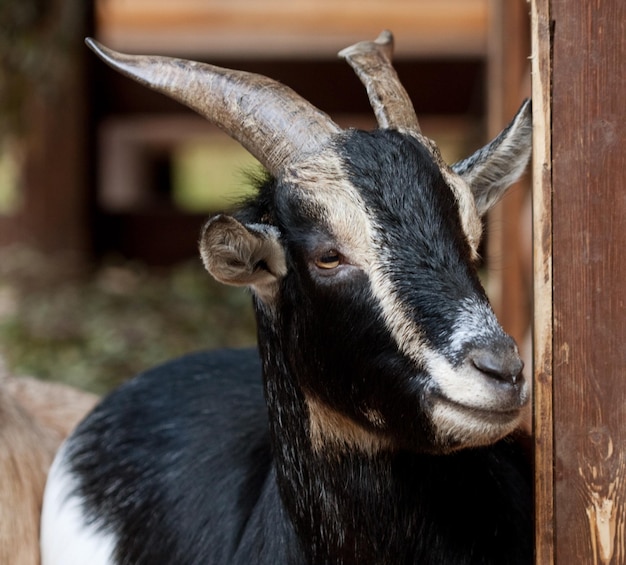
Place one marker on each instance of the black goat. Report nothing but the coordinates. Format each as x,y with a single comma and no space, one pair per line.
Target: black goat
375,424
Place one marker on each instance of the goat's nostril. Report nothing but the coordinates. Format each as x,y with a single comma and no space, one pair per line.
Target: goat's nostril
501,366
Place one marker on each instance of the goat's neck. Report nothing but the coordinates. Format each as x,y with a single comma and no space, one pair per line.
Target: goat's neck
340,502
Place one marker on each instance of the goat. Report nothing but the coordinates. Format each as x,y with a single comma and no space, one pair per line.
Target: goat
35,417
376,423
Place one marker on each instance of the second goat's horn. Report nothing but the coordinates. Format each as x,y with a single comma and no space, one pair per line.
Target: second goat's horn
371,60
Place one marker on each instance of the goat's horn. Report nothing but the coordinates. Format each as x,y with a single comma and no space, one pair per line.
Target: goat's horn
371,60
268,118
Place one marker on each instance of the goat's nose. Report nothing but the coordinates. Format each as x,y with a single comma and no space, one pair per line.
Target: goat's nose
505,366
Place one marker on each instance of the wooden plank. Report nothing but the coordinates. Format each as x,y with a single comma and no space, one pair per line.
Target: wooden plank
589,273
298,28
542,270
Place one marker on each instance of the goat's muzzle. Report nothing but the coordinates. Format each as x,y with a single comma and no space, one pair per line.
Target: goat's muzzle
502,365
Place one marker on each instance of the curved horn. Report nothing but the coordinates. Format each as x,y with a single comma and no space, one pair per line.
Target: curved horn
371,60
268,118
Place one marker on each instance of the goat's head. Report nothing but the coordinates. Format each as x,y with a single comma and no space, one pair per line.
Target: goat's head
360,251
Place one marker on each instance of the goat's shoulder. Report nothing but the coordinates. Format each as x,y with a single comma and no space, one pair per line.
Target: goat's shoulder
180,445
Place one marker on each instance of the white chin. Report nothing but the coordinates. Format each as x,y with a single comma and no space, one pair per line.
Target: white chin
457,426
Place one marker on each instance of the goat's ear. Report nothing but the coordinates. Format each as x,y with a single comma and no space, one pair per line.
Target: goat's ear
243,255
495,167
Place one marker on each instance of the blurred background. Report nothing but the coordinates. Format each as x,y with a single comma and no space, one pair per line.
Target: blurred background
104,184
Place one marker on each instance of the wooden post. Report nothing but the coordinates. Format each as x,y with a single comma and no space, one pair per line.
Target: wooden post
542,269
580,246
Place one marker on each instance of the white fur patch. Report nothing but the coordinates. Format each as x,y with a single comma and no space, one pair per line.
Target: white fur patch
66,536
462,428
466,385
404,330
475,322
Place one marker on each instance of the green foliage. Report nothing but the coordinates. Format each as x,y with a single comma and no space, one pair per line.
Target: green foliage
95,333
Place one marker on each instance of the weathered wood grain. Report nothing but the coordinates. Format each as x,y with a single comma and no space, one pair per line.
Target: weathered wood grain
589,273
542,267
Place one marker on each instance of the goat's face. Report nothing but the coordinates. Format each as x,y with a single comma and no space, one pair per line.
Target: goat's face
369,268
361,254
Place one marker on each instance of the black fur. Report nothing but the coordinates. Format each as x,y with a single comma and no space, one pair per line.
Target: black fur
178,463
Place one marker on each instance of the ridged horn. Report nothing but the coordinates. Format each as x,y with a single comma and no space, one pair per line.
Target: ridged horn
268,118
371,60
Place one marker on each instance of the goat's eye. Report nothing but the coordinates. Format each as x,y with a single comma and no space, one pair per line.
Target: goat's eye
328,260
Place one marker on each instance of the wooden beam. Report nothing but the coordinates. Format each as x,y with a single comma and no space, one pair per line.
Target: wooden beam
298,28
586,365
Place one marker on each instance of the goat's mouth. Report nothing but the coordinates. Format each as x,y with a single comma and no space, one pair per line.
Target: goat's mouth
461,425
495,414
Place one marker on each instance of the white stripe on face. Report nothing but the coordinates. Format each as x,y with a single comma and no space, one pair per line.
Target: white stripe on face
321,185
